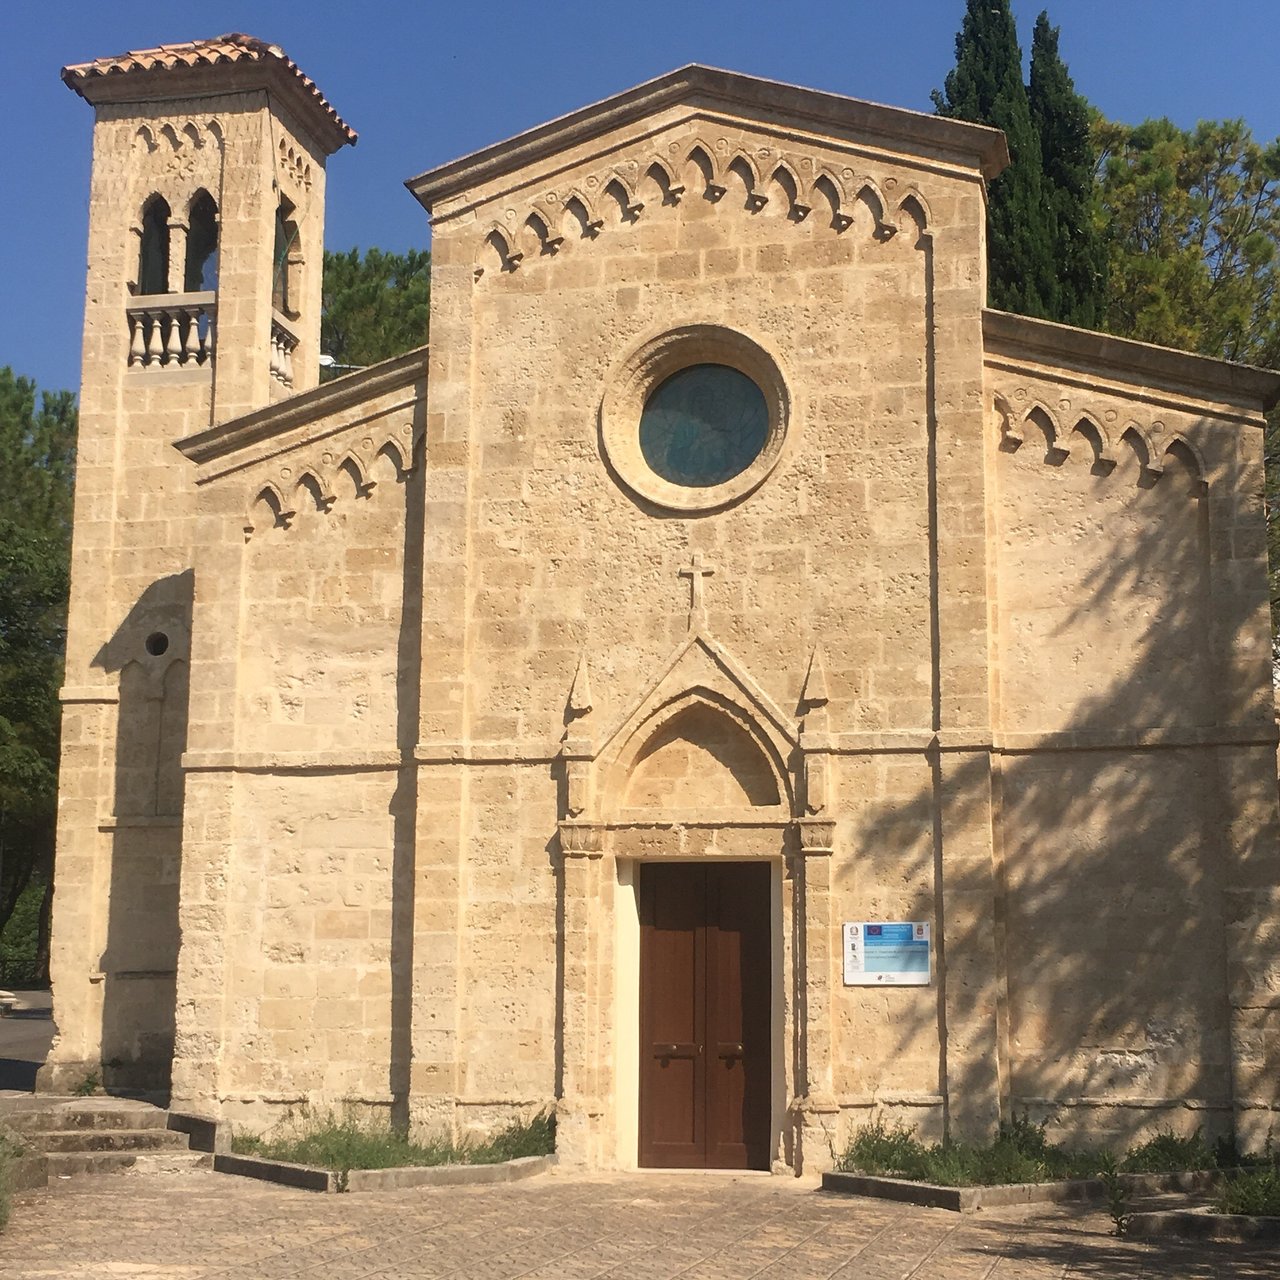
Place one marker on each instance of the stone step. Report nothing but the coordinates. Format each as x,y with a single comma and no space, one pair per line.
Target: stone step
66,1164
43,1115
106,1140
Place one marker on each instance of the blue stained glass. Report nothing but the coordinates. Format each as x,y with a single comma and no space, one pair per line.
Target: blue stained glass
703,426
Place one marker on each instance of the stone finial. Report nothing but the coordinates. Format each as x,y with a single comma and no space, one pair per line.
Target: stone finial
814,694
580,704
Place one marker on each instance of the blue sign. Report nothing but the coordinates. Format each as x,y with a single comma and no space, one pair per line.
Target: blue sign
886,953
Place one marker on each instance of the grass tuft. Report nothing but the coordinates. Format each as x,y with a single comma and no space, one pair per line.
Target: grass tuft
1169,1153
1020,1153
347,1142
1255,1192
10,1150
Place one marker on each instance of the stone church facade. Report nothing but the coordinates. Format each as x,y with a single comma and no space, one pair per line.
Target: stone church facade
518,723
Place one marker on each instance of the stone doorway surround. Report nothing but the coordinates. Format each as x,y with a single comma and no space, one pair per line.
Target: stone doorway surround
783,816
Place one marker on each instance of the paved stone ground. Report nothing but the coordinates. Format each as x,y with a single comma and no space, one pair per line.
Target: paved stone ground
200,1225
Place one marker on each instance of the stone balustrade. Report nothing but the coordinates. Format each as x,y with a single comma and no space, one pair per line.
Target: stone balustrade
283,343
171,330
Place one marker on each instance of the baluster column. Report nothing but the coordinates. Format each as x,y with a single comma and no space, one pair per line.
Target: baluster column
155,341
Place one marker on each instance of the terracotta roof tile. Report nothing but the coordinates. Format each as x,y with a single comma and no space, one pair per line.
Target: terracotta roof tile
232,47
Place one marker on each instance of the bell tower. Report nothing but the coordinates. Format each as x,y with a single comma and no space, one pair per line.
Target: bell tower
206,240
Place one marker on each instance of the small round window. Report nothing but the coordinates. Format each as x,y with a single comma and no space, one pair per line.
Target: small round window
694,419
703,426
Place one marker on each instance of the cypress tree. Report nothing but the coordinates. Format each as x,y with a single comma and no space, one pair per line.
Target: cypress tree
986,87
1061,119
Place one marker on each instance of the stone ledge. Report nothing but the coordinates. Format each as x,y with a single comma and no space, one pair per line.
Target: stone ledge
972,1199
310,1178
448,1175
1202,1224
201,1131
304,1177
1138,363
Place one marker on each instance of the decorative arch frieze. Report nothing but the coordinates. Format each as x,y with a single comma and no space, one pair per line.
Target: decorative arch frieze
317,483
785,194
295,163
660,179
913,212
767,181
1106,433
183,135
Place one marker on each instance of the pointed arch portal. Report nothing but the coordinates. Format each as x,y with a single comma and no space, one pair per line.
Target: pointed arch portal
695,984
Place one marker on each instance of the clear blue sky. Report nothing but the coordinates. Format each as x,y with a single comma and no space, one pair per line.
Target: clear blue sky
424,81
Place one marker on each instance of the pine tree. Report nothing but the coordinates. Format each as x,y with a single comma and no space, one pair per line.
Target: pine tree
986,87
375,306
37,459
1061,119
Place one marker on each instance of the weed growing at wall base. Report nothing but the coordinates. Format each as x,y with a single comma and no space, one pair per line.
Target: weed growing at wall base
10,1150
1019,1153
1255,1192
347,1142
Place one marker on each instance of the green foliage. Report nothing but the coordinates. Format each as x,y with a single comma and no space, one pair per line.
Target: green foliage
986,87
88,1086
21,962
374,307
347,1142
344,1143
1020,1153
536,1137
1117,1193
1169,1153
1255,1192
1062,121
884,1150
37,461
1193,217
10,1150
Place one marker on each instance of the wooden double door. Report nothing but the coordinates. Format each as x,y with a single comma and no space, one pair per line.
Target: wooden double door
705,994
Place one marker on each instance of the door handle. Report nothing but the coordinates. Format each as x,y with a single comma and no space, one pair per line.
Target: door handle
676,1050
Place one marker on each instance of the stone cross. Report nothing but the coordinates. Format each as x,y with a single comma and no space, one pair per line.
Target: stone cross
695,573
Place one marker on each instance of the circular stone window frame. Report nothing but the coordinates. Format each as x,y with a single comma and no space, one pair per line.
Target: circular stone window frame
648,366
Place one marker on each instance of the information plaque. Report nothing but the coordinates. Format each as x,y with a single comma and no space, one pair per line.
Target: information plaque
882,953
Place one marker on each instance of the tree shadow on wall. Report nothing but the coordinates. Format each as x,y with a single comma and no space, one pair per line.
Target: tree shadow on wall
150,652
1094,947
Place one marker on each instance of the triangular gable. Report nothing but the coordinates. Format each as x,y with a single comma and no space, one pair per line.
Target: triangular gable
702,664
748,98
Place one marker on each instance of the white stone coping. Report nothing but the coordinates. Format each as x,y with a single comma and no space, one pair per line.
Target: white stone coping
1202,1223
218,444
1142,365
313,1178
972,1199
